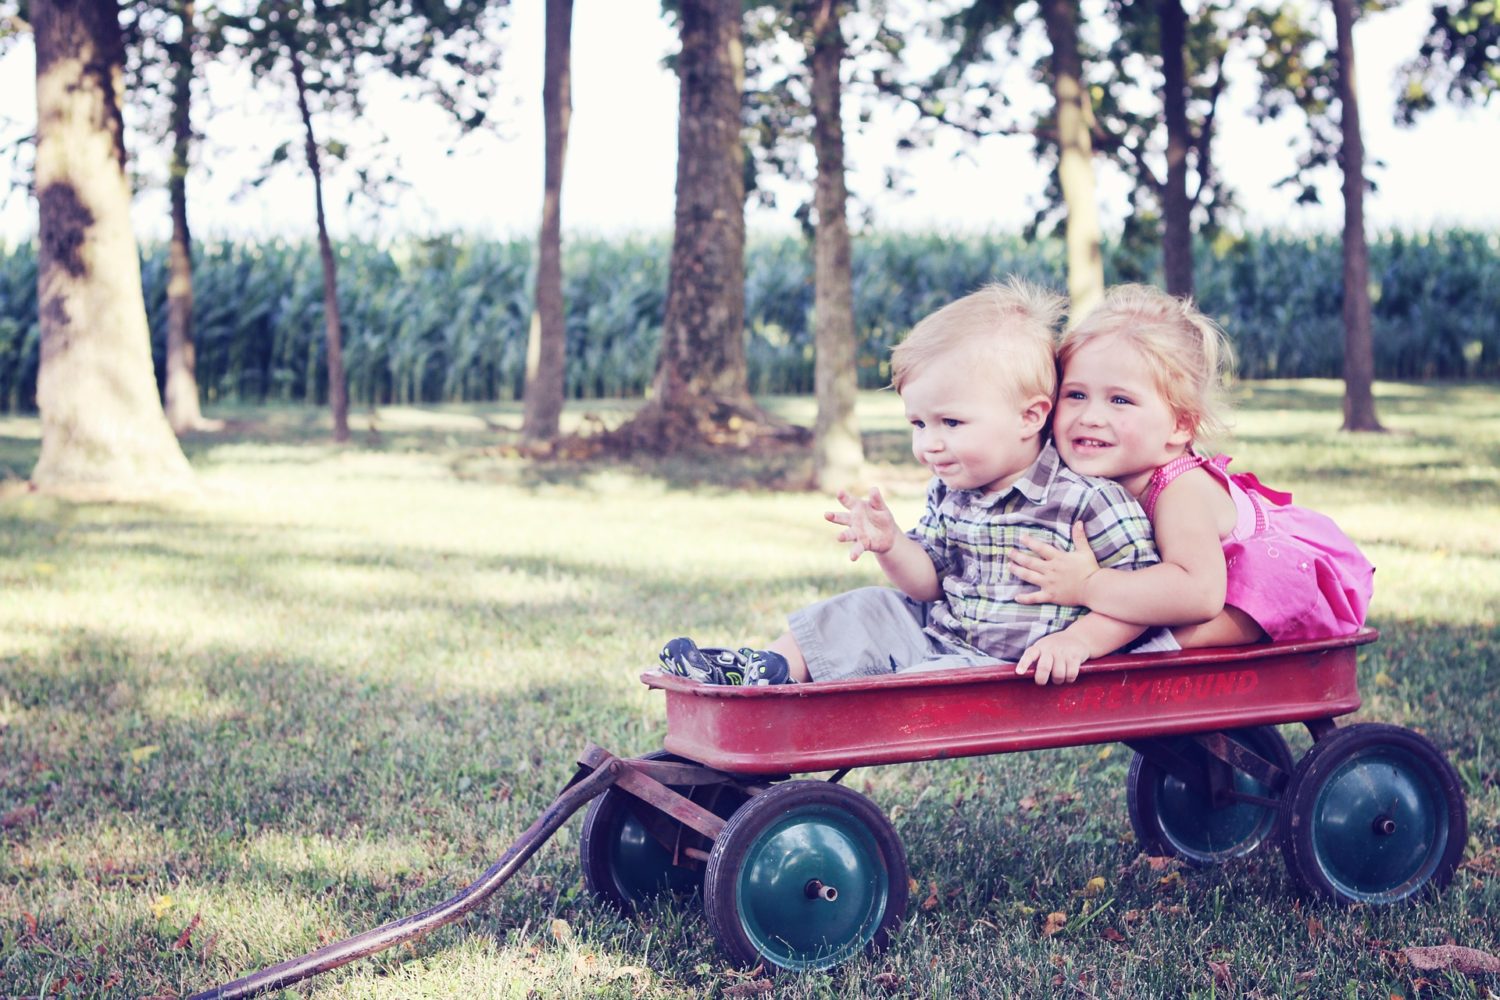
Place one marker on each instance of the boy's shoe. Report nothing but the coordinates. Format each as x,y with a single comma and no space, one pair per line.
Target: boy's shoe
764,667
683,658
709,665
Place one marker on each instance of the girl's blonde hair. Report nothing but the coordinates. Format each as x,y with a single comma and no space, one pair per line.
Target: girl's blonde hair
1010,330
1191,357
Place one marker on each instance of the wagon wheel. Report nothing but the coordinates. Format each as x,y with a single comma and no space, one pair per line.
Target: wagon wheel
804,876
1373,814
623,863
1173,817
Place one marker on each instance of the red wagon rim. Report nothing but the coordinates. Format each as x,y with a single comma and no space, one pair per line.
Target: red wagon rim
999,671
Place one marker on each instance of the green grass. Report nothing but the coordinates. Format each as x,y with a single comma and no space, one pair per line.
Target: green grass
334,689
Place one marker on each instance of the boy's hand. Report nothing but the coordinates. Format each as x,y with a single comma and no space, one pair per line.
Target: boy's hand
1056,658
868,524
1060,576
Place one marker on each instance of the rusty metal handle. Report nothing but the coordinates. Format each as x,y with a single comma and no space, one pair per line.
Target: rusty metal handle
606,773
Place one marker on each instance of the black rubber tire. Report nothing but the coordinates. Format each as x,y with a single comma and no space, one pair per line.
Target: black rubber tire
1374,814
760,891
1170,819
627,868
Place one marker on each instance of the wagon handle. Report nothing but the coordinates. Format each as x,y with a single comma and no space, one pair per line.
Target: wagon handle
578,791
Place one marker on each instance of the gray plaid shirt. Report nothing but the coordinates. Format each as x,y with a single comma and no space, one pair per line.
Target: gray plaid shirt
971,536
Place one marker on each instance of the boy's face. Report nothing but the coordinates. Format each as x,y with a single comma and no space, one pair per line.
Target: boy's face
1112,420
968,430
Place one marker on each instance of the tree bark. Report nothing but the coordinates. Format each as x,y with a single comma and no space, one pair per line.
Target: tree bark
838,453
181,396
700,395
1075,164
546,348
103,430
1177,236
338,390
1359,348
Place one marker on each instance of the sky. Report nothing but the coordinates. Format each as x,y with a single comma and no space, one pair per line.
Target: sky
621,154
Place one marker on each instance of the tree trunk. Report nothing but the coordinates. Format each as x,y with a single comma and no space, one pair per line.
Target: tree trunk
838,453
103,430
700,395
546,348
1359,348
1177,236
1075,164
181,396
338,391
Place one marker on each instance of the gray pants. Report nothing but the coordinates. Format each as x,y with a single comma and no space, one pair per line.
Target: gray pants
873,632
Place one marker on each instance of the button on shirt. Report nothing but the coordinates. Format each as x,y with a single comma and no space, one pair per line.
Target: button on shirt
971,537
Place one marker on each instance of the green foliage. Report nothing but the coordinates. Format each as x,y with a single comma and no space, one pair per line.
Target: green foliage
445,319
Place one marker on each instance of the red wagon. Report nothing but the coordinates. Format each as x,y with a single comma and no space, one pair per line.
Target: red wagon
803,874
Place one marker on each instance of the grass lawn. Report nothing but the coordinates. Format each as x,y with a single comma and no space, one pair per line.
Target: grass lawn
331,691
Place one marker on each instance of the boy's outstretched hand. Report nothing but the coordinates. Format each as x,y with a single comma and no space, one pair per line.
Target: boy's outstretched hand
1059,576
868,524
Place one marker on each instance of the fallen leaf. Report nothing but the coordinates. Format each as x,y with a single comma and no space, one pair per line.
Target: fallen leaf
1314,928
18,816
633,971
1095,886
753,988
1056,921
1170,880
1383,680
30,921
142,754
931,901
1469,961
1221,972
1109,749
1111,935
160,906
1027,803
562,930
185,939
888,980
1157,862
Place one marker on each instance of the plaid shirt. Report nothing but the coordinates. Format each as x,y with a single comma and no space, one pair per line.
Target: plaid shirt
971,536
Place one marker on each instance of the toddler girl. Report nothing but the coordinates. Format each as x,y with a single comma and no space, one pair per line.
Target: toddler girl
1141,381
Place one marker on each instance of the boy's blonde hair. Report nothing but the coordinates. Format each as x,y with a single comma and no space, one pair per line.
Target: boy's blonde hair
1010,330
1190,355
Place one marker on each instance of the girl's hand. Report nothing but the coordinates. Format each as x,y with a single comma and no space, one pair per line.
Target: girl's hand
1059,576
868,524
1056,657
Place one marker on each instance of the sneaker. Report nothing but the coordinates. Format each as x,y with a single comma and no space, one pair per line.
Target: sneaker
763,668
683,658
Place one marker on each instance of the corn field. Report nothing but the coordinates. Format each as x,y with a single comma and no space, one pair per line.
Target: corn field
446,320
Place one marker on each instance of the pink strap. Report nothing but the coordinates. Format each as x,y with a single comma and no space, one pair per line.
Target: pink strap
1165,475
1246,481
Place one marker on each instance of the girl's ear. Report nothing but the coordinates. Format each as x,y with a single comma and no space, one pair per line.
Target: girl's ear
1182,434
1034,414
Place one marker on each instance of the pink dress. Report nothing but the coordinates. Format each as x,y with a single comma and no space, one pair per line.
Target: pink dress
1289,568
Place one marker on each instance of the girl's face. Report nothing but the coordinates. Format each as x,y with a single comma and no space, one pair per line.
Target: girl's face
1111,419
968,430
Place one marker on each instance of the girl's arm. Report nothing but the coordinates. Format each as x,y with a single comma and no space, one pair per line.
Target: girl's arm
1185,588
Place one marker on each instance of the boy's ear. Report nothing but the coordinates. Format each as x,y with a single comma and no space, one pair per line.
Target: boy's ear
1034,414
